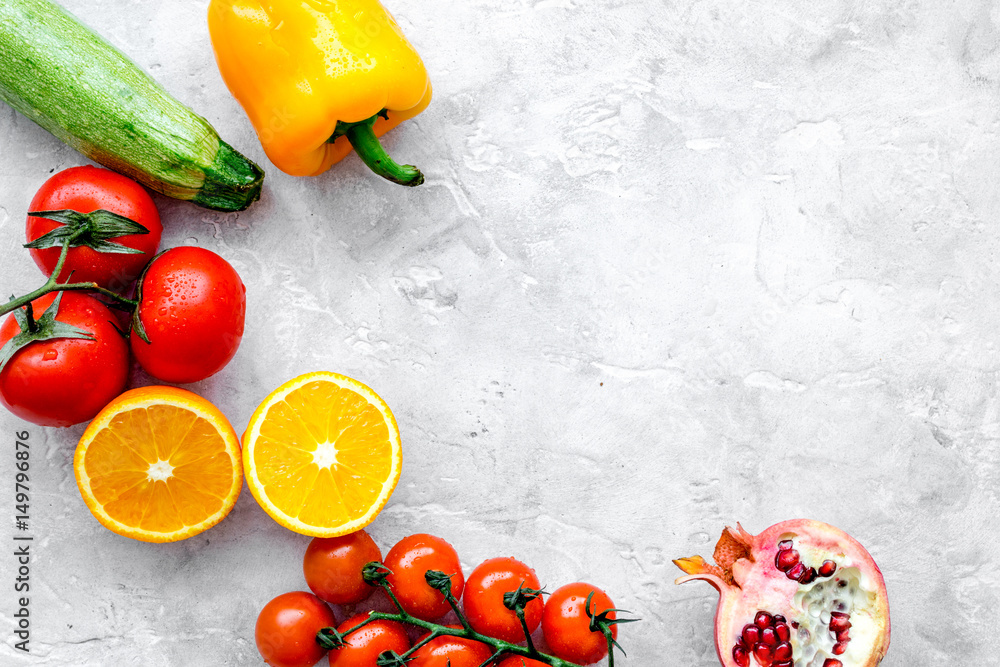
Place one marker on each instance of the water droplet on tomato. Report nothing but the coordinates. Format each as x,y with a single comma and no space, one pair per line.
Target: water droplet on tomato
50,355
163,310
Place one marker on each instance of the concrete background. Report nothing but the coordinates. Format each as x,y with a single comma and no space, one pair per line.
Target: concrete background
676,264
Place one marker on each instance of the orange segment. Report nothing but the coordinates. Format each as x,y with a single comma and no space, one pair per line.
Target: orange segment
159,464
322,454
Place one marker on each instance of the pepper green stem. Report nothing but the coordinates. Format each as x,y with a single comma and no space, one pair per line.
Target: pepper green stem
52,284
369,149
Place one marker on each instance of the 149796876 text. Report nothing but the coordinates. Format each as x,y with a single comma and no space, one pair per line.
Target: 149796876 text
22,541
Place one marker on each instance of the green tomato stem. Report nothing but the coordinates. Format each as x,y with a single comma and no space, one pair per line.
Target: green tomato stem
492,660
524,625
53,285
420,644
458,612
392,596
435,630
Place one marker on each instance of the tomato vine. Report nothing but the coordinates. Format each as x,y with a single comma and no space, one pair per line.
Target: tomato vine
90,229
375,574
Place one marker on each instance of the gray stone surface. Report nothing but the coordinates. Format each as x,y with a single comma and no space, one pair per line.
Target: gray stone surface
676,264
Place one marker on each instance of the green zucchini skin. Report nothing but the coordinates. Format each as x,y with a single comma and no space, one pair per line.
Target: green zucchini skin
76,85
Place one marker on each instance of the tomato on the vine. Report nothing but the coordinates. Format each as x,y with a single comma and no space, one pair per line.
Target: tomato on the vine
484,603
286,630
566,624
365,645
192,309
409,560
85,190
64,381
333,566
449,651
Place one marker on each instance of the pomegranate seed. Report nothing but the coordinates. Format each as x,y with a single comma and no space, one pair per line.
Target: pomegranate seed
784,545
827,568
833,662
844,636
839,621
751,635
764,654
768,636
786,559
741,657
797,571
838,648
778,618
782,631
808,577
762,620
783,651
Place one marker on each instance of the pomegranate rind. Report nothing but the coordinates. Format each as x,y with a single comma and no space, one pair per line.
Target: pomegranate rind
752,583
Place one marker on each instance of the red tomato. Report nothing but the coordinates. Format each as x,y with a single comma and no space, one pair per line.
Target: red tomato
365,645
567,626
88,189
193,308
409,560
518,661
450,652
333,565
484,593
286,630
65,381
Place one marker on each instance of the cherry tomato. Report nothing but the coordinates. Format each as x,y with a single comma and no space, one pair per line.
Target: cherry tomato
450,652
518,661
409,560
365,645
333,565
192,308
65,381
483,599
567,626
286,630
88,189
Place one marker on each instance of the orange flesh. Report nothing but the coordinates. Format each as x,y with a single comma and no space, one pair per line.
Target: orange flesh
124,460
323,455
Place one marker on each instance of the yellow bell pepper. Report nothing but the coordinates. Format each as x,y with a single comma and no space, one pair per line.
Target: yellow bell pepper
317,77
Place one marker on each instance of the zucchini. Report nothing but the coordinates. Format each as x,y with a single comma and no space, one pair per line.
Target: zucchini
76,85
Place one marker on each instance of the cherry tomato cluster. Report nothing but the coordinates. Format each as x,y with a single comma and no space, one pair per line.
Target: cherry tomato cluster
347,570
63,355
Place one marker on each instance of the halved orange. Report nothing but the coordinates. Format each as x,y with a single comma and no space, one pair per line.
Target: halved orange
322,454
159,464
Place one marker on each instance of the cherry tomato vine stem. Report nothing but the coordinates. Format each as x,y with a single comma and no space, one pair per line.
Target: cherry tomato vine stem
524,625
53,285
375,574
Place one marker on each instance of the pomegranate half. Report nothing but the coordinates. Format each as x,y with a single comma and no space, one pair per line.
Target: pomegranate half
800,594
